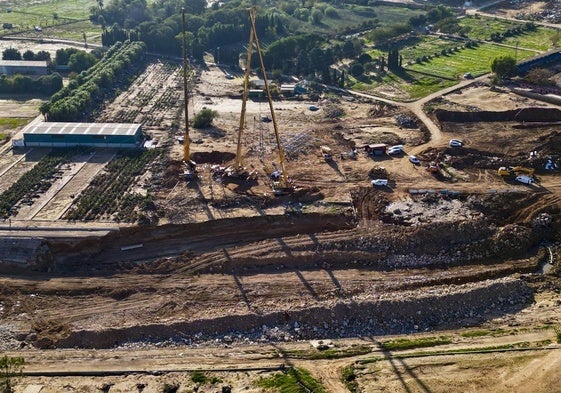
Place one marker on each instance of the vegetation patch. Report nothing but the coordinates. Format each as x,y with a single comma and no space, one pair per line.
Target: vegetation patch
37,180
295,380
411,343
331,353
348,377
476,60
108,194
11,123
475,333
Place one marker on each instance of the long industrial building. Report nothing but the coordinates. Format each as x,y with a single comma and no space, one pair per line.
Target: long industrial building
118,135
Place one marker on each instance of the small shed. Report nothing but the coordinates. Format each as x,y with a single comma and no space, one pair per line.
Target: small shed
377,149
23,67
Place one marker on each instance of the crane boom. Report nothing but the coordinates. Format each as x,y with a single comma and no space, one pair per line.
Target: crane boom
239,161
284,176
186,141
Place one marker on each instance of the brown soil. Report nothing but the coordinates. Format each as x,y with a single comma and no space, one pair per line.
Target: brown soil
246,275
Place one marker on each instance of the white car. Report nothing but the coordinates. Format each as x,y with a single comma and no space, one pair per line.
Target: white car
524,179
456,143
379,182
395,150
414,160
229,76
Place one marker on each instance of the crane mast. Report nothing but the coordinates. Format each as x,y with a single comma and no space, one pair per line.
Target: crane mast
186,141
283,185
239,161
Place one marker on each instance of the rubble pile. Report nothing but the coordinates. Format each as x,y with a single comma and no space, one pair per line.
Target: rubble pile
372,313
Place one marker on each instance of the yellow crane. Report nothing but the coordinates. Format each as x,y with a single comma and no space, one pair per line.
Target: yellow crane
281,183
191,167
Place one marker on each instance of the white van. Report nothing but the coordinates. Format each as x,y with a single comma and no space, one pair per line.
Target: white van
379,182
524,179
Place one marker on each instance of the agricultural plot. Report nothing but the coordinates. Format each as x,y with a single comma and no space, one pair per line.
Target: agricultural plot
476,60
108,196
481,28
153,100
27,184
13,166
78,175
63,9
428,45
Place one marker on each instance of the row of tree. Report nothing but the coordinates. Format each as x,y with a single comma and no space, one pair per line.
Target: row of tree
90,87
77,60
21,84
28,55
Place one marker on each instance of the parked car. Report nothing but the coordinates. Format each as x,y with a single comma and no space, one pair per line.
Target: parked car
468,75
229,76
400,147
314,108
524,179
414,160
395,150
266,119
379,182
456,143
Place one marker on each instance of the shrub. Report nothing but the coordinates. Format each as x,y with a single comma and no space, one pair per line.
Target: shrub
204,118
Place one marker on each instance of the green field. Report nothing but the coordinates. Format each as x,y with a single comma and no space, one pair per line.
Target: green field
481,28
428,45
355,15
23,10
475,60
63,19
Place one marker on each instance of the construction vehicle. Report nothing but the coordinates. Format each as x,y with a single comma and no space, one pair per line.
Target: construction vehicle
510,171
190,171
282,185
433,167
522,169
326,153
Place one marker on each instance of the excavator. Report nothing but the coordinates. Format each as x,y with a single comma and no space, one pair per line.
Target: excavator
512,171
281,183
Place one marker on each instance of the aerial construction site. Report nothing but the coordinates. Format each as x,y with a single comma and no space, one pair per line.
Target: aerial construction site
309,230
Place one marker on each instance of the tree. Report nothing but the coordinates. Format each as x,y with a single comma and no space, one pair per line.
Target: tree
10,368
316,16
81,61
11,54
357,69
204,118
504,67
28,55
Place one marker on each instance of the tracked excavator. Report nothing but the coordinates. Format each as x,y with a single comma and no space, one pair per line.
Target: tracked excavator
513,171
281,183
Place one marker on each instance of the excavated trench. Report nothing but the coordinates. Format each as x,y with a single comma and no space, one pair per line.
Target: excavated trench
521,115
468,277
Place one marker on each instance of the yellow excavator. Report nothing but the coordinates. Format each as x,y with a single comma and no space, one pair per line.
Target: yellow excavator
281,183
511,171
